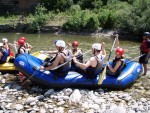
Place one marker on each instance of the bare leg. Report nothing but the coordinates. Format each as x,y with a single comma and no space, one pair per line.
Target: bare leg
145,69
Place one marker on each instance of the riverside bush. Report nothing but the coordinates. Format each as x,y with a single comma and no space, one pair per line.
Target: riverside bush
133,18
82,15
90,4
57,5
82,21
40,19
106,18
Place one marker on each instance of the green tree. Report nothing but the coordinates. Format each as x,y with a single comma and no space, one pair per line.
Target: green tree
40,18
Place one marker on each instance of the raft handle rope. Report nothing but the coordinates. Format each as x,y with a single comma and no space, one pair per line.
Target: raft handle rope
34,67
134,58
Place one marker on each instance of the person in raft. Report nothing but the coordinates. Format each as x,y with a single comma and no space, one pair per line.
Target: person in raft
145,50
50,54
27,46
76,52
21,48
8,55
94,65
7,45
4,53
118,62
61,57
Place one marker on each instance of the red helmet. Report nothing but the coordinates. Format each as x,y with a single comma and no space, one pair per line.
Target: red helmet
21,42
119,51
75,43
23,38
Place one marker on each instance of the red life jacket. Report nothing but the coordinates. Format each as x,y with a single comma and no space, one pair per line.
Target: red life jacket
144,46
11,53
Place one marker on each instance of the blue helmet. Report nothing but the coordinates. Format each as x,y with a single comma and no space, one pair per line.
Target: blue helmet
146,34
55,42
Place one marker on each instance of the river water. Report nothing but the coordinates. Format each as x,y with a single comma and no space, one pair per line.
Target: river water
46,42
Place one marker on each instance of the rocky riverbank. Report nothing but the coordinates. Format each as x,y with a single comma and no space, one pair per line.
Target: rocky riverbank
56,30
17,99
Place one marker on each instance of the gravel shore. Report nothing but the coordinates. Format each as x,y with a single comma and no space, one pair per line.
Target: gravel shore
17,99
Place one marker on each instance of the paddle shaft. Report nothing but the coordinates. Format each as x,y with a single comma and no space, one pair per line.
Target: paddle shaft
69,61
103,74
111,49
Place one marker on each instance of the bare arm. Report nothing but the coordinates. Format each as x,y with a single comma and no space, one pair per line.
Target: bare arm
103,49
115,68
148,55
55,63
52,52
91,62
78,53
1,54
21,51
5,45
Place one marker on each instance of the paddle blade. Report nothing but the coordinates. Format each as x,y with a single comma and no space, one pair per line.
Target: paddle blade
102,76
39,55
35,53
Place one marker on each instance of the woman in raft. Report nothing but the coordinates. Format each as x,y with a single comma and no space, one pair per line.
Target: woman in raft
118,62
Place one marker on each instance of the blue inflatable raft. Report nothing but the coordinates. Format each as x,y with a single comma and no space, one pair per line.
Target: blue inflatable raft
25,63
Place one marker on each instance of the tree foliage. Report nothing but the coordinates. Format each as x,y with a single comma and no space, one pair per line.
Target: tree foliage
40,18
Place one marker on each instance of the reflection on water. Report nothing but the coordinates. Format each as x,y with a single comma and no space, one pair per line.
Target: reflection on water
46,42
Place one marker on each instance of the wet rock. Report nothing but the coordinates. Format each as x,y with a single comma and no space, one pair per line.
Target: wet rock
119,109
40,97
75,97
6,75
35,109
143,100
18,87
85,105
59,110
49,92
8,106
67,92
99,101
42,110
100,90
113,107
19,107
3,81
32,103
61,103
131,111
94,106
30,100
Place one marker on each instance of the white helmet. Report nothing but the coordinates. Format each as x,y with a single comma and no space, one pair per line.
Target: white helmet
1,44
4,40
96,46
60,43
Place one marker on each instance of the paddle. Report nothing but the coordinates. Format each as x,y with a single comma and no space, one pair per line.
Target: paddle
15,48
69,61
103,74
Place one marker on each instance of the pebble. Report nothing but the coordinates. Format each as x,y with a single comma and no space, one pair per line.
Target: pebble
30,100
19,107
